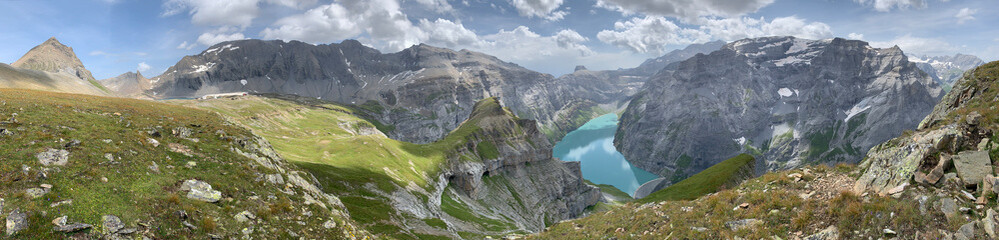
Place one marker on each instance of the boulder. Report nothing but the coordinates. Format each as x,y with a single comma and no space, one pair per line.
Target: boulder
34,193
329,224
245,216
111,224
56,157
973,166
830,233
989,223
275,179
59,221
200,191
744,223
68,228
948,206
182,132
16,221
966,232
938,172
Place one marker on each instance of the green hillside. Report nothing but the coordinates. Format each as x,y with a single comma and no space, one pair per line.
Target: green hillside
725,174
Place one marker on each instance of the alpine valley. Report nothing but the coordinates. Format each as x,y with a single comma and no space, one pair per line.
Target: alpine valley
765,137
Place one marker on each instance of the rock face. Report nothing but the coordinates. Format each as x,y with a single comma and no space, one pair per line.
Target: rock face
130,84
521,182
423,91
946,70
961,123
787,100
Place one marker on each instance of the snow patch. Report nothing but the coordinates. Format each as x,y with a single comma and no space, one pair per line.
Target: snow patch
741,140
203,68
242,81
785,92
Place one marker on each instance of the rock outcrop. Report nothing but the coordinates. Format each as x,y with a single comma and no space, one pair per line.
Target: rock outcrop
787,100
961,128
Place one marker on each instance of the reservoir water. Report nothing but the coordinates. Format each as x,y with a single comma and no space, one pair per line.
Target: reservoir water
593,146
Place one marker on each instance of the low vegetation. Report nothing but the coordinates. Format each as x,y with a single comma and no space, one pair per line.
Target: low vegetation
708,181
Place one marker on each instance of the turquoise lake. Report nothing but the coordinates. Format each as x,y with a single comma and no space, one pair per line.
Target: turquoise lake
593,145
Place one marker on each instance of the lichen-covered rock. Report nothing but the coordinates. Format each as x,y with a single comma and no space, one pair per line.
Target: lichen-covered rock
53,157
973,166
16,221
744,223
893,163
830,233
111,224
200,191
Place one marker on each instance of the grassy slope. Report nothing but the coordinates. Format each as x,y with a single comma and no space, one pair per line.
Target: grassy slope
309,133
774,200
708,181
133,192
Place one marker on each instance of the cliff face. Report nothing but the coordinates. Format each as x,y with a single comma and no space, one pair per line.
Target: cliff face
504,170
786,100
965,120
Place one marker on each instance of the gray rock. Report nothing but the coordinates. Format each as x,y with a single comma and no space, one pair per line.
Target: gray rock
154,167
153,142
59,221
182,132
329,224
966,232
830,233
109,157
53,157
989,223
786,92
275,178
68,228
34,193
111,224
127,231
5,132
744,223
247,230
948,206
973,166
189,225
72,144
16,221
200,191
244,216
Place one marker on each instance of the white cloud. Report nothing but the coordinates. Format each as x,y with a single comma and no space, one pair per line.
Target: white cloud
440,6
443,32
220,35
98,53
186,46
685,9
539,8
215,12
383,20
855,36
888,5
297,4
965,14
650,34
653,34
143,67
570,39
917,45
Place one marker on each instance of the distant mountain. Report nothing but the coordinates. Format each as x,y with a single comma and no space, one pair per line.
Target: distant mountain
422,91
53,56
946,70
130,84
786,100
53,67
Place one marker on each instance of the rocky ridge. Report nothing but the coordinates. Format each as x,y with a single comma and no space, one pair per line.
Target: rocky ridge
130,84
946,70
787,100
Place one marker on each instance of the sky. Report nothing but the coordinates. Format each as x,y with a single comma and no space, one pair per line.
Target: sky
112,37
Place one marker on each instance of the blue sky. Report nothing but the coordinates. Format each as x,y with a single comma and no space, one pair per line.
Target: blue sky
115,36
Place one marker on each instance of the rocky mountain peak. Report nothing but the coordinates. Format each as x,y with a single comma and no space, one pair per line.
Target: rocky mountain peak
580,68
53,56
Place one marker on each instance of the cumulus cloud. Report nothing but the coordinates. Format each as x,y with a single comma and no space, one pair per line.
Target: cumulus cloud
918,45
965,14
443,32
653,34
888,5
143,67
440,6
539,8
220,35
381,19
685,9
298,4
855,36
215,12
570,39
